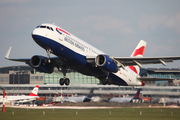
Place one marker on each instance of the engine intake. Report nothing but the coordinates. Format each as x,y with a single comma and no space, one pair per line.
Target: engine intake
41,64
106,63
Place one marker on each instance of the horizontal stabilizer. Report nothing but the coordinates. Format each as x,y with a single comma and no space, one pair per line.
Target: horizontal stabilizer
154,79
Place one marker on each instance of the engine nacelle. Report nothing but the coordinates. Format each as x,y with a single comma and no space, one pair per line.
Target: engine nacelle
41,64
106,63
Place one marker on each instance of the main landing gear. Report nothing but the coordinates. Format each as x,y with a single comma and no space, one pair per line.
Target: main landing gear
107,80
64,80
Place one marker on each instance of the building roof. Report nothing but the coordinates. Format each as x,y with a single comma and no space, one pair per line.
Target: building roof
169,70
5,70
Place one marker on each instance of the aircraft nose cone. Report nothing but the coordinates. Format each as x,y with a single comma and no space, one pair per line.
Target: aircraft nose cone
34,32
35,35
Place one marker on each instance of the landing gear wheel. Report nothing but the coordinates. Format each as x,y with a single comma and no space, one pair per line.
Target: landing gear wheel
67,81
104,81
109,81
61,81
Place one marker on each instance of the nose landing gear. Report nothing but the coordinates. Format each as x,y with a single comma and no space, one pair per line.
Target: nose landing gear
107,81
49,51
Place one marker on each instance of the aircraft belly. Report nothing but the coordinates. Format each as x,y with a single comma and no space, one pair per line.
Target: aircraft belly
74,59
124,78
117,80
78,61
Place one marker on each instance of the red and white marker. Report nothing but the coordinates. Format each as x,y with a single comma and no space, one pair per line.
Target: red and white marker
3,109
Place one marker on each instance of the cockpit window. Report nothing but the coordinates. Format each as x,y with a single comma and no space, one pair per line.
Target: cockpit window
48,27
42,26
37,26
51,28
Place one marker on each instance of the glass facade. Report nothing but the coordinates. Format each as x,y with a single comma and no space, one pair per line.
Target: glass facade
75,77
78,78
4,79
163,75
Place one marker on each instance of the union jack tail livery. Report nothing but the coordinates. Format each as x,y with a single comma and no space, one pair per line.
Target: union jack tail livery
138,52
34,91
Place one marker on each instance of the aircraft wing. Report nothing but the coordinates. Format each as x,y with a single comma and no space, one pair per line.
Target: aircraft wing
55,60
145,60
27,60
129,61
19,60
154,79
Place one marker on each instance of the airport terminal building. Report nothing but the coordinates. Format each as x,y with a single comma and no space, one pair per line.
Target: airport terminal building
28,75
22,79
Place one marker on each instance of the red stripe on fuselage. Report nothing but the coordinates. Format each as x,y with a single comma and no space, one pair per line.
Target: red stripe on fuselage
62,31
139,51
32,94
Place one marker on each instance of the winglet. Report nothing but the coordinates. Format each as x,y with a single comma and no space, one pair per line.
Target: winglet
8,53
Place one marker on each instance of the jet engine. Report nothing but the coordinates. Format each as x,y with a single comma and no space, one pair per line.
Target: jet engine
41,64
106,63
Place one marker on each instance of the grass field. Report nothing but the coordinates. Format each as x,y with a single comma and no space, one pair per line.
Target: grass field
91,114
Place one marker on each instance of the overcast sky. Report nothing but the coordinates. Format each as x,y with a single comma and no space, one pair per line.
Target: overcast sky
113,26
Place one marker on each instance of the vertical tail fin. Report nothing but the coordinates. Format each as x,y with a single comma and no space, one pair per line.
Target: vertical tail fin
91,93
138,52
34,91
137,94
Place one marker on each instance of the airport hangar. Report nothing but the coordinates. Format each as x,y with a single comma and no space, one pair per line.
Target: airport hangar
22,79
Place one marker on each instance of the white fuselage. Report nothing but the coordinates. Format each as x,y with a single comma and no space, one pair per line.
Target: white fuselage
74,99
59,38
18,98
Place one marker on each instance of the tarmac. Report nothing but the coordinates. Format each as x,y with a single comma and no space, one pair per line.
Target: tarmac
97,105
109,104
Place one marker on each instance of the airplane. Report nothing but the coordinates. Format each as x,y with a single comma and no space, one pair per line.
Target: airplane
80,99
136,98
73,53
22,98
170,101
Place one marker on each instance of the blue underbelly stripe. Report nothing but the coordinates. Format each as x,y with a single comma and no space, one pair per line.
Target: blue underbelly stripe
61,50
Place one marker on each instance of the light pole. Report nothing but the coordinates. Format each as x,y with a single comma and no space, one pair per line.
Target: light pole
18,79
13,80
